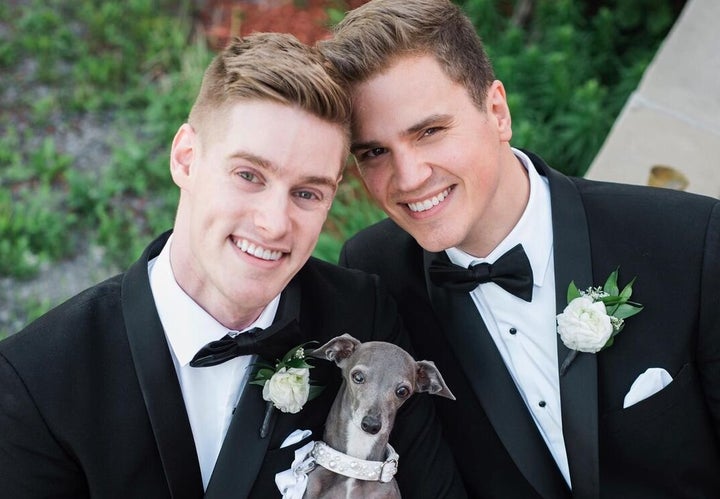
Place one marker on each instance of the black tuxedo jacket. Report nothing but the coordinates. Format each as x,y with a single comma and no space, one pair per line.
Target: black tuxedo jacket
667,446
90,405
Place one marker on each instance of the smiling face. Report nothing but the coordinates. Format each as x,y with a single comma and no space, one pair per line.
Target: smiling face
256,185
441,167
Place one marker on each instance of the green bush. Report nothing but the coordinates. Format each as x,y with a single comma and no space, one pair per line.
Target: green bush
569,67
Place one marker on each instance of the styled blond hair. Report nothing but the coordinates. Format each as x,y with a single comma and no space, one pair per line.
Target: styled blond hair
275,67
372,36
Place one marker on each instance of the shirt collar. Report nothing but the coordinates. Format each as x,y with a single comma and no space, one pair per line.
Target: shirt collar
188,327
533,230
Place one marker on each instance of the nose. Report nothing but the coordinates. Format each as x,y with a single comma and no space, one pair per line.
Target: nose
271,214
371,424
410,171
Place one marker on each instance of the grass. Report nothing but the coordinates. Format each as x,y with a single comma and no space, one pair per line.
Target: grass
136,65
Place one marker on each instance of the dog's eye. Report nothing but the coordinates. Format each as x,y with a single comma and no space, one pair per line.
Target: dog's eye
402,392
358,377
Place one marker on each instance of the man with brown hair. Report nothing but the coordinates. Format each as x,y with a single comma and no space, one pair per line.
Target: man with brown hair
138,386
482,245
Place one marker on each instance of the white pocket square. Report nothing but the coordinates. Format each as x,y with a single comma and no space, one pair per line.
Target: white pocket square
295,437
292,482
648,383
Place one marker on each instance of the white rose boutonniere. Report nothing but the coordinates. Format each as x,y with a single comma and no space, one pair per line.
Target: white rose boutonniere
594,317
288,389
286,384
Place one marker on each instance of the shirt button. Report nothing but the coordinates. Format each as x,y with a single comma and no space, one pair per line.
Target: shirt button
542,403
512,330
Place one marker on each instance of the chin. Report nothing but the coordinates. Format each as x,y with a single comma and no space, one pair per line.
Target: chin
428,237
432,244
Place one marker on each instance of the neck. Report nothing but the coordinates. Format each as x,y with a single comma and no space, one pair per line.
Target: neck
510,201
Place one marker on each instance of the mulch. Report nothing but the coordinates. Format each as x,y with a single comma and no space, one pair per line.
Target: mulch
306,19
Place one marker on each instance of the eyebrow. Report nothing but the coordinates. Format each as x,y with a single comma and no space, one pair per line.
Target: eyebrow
413,129
433,119
256,160
266,164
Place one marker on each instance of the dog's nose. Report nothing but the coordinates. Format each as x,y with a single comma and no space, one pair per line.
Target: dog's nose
371,424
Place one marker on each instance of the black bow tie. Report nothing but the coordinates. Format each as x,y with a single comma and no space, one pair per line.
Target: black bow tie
512,272
270,344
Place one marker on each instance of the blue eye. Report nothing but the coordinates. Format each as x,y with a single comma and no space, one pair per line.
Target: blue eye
373,153
431,131
307,195
249,176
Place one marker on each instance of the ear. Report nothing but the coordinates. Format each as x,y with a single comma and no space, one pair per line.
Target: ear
182,153
428,379
337,349
497,107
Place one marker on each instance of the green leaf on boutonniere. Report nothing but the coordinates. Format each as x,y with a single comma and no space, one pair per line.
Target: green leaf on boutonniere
585,327
315,390
627,290
611,286
286,385
572,292
626,310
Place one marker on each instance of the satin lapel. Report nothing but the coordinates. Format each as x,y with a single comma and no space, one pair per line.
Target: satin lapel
243,450
158,381
578,386
491,382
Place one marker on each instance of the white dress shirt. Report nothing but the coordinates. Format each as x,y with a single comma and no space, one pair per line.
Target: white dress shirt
210,393
524,332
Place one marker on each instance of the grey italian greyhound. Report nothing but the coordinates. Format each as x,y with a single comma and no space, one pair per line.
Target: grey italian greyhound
355,460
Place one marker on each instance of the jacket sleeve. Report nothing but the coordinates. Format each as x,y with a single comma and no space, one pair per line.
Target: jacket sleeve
33,463
709,337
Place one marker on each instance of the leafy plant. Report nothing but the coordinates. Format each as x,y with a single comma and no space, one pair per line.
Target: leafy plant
568,67
352,211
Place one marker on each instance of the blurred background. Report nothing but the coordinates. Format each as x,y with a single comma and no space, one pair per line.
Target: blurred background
92,92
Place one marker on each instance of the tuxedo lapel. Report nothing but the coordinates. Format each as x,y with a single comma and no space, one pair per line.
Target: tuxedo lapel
243,450
158,381
578,386
492,384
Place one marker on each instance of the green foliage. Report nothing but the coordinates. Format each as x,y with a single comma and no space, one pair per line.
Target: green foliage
131,58
352,210
568,70
33,229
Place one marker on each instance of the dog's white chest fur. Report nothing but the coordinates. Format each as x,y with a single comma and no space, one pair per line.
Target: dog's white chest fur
359,443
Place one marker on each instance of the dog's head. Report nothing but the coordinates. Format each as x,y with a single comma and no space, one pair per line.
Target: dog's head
379,378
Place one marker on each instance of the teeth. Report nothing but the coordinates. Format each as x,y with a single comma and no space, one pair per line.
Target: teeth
258,251
429,203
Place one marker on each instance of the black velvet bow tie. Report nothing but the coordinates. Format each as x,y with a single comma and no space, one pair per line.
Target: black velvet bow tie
512,272
270,344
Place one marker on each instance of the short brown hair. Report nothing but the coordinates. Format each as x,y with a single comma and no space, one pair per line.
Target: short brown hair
275,67
372,36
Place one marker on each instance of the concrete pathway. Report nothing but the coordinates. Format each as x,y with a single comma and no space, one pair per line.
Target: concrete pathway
673,117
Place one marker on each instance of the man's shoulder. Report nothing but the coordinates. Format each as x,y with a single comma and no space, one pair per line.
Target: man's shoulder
383,232
382,240
331,277
605,192
72,318
384,249
641,198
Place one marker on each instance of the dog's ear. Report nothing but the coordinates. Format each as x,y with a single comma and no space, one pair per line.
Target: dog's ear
428,379
337,349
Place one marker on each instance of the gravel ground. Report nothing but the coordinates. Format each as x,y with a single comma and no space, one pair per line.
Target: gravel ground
85,138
